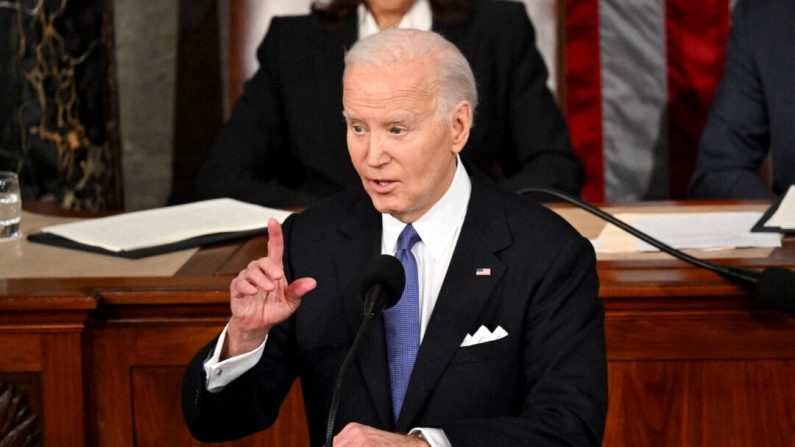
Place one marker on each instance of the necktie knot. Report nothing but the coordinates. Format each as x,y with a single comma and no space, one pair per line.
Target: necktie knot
408,237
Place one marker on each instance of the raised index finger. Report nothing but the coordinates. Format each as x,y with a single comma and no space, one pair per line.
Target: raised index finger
275,242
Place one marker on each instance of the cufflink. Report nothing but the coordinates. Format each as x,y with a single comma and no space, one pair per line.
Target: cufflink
418,435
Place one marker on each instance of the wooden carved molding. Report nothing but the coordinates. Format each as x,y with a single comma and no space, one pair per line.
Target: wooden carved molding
18,424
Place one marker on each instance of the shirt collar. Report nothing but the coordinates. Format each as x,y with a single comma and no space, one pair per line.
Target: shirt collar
435,227
418,17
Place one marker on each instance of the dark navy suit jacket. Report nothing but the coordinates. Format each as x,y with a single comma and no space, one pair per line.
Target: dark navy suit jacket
284,144
754,111
543,384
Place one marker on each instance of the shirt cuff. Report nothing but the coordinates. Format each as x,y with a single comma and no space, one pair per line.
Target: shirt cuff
433,436
220,374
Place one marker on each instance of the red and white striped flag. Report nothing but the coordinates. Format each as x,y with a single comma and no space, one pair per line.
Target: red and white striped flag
640,78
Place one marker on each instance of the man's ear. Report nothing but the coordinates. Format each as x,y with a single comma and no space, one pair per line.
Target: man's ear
460,123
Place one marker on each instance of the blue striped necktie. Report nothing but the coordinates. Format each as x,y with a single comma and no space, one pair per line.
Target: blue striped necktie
402,323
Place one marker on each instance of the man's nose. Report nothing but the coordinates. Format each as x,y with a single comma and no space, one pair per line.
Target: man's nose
376,151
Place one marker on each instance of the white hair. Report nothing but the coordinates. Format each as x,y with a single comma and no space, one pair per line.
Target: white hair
454,80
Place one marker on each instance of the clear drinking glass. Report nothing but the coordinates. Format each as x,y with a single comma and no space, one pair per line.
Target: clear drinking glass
10,205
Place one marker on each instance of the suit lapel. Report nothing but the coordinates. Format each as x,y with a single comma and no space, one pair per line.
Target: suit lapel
360,240
461,299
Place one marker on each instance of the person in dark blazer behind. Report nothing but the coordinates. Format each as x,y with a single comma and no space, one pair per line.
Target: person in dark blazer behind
752,115
507,345
284,143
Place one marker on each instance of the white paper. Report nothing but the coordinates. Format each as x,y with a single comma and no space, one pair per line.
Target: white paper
784,217
150,228
700,231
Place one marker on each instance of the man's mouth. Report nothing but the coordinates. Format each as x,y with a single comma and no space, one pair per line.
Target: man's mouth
382,186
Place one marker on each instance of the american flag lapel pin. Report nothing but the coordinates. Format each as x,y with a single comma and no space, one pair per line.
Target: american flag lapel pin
483,271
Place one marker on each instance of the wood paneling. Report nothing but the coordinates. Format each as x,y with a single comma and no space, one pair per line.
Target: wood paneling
154,421
699,335
20,352
62,384
41,334
137,381
156,392
692,359
693,402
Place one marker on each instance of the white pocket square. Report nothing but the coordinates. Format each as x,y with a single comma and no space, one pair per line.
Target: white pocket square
483,335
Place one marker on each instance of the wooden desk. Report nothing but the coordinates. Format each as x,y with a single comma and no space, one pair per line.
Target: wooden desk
692,360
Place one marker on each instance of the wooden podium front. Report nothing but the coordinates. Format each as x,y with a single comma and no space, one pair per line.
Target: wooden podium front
98,360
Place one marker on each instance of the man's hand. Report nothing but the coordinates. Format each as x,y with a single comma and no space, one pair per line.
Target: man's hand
359,435
261,297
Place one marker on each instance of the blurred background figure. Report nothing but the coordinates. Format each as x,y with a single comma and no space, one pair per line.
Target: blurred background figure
754,110
284,143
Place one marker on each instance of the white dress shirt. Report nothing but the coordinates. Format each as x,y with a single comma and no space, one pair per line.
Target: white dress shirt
418,17
438,229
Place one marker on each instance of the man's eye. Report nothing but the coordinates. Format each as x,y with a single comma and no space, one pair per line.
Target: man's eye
357,128
396,131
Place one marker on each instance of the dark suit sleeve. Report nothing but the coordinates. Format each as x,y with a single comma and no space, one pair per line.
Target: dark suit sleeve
250,159
246,405
565,393
736,138
538,129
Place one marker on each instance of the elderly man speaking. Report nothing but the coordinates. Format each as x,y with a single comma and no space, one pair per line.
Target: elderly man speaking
498,338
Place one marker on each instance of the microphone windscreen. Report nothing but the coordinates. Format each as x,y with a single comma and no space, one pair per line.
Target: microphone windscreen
776,288
387,271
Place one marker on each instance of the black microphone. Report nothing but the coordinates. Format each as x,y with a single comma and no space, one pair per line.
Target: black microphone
382,286
773,287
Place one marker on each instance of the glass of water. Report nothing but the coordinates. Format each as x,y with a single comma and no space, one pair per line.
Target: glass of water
10,205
